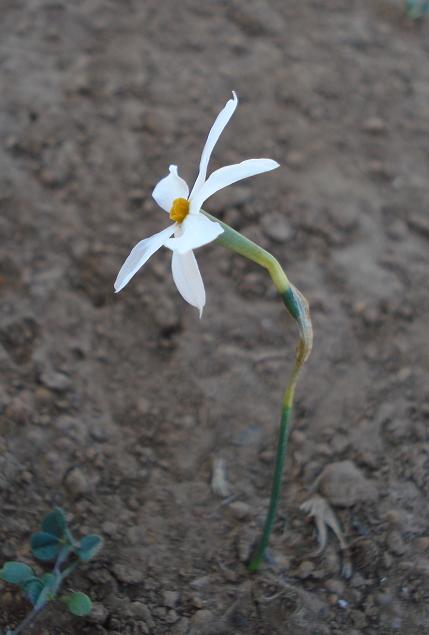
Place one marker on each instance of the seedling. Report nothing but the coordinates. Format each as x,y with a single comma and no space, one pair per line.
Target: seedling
54,543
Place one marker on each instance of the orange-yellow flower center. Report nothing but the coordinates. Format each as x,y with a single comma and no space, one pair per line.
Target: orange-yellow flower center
179,209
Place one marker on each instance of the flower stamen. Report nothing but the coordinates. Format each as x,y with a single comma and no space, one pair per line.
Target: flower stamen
179,210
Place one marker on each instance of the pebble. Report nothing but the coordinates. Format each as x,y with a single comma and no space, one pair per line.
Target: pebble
335,586
98,613
144,406
127,574
305,569
55,380
109,528
240,510
422,543
76,482
295,159
395,543
267,456
171,616
276,226
197,602
374,125
170,598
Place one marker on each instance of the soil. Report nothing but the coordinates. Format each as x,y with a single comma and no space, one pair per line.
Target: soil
118,407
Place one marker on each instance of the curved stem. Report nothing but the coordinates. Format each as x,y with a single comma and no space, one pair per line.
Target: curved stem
298,308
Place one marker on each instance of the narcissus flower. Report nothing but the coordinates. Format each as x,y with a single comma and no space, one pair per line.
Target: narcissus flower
190,229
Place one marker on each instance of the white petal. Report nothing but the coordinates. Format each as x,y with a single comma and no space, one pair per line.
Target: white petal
169,188
216,130
228,175
187,278
141,254
196,230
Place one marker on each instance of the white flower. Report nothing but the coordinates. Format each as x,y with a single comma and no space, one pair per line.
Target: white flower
191,229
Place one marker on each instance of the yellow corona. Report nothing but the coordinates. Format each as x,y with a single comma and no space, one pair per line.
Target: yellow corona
179,210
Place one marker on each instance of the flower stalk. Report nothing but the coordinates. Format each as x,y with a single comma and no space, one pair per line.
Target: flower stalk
298,308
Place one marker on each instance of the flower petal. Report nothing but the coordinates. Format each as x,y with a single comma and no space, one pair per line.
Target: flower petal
187,278
169,188
196,230
216,130
228,175
141,254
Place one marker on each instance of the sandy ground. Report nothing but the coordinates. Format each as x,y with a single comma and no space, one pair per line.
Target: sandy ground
116,407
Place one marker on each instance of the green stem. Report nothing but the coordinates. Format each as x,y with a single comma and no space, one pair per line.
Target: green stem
298,308
259,553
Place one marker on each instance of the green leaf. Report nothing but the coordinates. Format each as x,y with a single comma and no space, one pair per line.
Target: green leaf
45,546
55,523
78,603
16,573
32,590
89,546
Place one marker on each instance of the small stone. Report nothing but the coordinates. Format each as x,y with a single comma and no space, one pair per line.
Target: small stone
27,476
422,543
171,616
55,380
395,543
295,159
240,510
140,610
374,125
143,406
98,613
267,456
335,586
128,575
197,602
170,598
109,528
385,599
305,569
136,196
378,170
76,482
276,226
393,517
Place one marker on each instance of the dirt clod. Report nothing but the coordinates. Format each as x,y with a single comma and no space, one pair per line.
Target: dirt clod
345,485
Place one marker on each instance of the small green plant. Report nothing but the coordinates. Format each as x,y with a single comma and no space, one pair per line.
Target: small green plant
416,8
54,543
